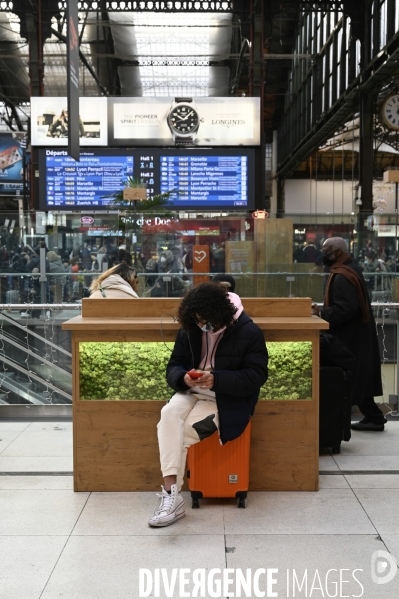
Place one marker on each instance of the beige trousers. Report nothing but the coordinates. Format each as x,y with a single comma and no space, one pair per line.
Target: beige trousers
186,419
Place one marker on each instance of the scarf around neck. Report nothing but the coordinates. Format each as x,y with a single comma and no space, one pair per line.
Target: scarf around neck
342,269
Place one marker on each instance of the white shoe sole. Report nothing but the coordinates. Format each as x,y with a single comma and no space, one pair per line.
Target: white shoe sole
162,523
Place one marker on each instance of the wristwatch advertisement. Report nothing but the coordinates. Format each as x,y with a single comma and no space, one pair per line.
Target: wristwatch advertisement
184,121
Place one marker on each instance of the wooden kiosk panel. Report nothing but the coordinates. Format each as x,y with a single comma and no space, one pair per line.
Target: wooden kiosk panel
115,442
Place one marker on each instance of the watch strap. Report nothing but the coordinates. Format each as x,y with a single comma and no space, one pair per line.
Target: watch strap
183,141
183,100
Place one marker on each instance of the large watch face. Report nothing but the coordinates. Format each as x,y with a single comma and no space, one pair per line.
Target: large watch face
183,119
390,112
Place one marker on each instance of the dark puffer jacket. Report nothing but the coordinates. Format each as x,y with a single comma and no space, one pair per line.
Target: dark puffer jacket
240,371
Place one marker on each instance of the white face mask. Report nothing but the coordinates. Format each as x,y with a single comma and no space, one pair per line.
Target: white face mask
163,260
207,327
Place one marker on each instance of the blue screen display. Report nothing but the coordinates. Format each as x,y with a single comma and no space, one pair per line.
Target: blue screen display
203,178
85,183
206,180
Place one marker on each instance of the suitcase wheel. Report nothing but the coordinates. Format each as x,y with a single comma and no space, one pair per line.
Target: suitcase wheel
242,502
195,502
336,449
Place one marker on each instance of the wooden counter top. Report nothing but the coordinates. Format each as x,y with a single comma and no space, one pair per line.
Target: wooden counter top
81,323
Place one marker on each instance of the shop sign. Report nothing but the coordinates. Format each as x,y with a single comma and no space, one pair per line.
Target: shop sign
385,230
201,263
86,220
261,214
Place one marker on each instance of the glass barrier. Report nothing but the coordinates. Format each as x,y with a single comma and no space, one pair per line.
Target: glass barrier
283,280
36,360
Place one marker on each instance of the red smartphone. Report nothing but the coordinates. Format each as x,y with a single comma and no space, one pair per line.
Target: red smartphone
195,374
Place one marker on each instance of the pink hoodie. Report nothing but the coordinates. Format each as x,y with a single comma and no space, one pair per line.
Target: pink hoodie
210,340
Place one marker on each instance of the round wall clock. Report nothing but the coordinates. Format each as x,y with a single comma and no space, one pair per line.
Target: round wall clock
390,112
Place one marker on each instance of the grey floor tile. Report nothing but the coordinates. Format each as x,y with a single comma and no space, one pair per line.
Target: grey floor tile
49,426
367,462
7,437
329,511
33,483
13,426
26,564
392,544
327,463
46,443
52,512
104,567
332,481
128,514
373,481
370,443
35,464
381,505
316,555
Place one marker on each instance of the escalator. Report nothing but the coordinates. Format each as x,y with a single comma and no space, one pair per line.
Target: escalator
34,369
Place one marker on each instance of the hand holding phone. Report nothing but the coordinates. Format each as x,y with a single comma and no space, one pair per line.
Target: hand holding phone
195,374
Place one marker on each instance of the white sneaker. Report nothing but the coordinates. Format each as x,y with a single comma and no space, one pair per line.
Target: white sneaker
170,508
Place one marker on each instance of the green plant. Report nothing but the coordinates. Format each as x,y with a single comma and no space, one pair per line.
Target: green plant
128,371
290,371
156,202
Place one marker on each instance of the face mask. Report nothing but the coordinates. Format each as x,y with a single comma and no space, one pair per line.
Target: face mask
207,327
328,261
163,260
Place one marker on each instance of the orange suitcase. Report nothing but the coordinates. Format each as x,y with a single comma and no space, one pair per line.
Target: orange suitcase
215,470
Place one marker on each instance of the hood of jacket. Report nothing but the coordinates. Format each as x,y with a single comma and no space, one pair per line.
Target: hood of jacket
118,284
57,266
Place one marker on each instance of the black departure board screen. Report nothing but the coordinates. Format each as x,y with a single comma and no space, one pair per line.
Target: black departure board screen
197,178
85,183
206,180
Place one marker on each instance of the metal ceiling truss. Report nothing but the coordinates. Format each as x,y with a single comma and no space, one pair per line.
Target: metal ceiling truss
324,96
153,5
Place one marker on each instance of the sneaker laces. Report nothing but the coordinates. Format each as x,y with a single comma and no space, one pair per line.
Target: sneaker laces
165,502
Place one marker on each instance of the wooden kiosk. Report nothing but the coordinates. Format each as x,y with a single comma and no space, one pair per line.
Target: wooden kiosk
115,443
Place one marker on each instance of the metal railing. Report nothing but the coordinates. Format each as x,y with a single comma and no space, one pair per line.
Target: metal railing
36,359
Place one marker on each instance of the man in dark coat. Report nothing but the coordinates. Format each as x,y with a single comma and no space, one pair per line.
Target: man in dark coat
229,351
347,308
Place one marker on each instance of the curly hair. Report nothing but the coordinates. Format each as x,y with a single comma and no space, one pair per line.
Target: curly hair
208,301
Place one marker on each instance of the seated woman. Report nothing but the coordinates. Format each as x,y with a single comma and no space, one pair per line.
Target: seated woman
120,281
218,339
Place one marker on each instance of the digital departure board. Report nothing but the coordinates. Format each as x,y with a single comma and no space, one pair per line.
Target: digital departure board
85,183
198,178
206,180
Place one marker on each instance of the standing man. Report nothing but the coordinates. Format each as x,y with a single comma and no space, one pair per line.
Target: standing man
347,308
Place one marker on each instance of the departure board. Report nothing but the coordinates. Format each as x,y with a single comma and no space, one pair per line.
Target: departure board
206,180
85,183
196,178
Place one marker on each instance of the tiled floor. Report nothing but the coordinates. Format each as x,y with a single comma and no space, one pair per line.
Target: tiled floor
57,544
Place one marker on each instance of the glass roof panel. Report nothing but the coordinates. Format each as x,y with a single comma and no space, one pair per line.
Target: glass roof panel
173,50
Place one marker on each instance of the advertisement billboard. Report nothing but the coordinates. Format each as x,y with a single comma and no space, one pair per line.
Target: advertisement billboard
183,122
50,122
11,159
149,122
